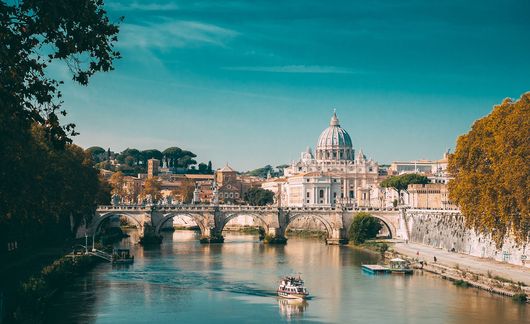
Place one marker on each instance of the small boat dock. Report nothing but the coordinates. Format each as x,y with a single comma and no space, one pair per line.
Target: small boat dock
375,269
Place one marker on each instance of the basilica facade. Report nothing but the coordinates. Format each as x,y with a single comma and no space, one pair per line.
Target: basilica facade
334,175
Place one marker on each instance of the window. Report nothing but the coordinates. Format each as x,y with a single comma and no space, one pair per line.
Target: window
334,195
231,195
307,194
351,193
307,201
321,193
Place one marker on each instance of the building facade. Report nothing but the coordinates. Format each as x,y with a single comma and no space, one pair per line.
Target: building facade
333,175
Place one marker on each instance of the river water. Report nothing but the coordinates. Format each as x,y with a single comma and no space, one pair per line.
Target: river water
186,282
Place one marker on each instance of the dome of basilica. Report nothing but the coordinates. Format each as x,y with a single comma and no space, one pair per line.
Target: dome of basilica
334,143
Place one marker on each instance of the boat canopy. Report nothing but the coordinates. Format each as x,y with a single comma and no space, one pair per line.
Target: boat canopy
397,260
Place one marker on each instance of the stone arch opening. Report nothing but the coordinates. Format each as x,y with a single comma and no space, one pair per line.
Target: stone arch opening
104,218
258,221
167,217
293,218
391,231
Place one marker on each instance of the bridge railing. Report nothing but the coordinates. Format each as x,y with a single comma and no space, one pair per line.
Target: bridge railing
101,255
211,208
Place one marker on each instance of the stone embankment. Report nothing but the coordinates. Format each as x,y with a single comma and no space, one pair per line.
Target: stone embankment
466,277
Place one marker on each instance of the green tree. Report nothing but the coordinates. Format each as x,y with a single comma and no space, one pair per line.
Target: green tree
281,169
179,158
364,227
96,153
104,192
259,197
203,168
130,157
401,182
262,172
35,34
209,169
491,170
150,154
47,184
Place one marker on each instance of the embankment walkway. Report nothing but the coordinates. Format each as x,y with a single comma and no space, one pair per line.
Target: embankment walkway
471,263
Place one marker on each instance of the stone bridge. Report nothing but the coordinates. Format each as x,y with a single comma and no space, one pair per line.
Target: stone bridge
211,219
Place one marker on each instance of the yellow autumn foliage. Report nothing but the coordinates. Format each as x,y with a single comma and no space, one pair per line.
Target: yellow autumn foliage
491,169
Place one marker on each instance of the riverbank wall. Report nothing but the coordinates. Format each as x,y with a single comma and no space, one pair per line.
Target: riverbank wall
445,229
464,277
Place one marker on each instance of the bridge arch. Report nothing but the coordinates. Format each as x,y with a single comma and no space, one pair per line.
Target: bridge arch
389,225
198,219
293,217
254,216
103,217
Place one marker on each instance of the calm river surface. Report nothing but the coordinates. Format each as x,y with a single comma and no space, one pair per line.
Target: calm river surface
184,281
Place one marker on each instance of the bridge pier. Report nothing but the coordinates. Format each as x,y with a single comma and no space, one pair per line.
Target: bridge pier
337,237
212,235
275,236
148,235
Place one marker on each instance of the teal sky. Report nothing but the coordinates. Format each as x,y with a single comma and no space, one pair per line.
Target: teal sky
255,82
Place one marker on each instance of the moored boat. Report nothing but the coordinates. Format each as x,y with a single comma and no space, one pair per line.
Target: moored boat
292,288
400,266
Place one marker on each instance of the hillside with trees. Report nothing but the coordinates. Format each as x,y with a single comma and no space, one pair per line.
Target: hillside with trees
132,161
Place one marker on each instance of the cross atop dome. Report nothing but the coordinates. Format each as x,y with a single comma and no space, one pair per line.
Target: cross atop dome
334,120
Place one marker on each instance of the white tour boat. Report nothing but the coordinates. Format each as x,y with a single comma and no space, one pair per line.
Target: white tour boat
292,288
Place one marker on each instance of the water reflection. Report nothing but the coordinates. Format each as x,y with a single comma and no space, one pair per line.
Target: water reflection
185,281
292,308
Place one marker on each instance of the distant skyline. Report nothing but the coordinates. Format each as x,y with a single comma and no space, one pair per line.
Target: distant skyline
254,83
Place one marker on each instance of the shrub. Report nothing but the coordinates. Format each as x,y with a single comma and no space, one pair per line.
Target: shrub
520,298
364,227
461,283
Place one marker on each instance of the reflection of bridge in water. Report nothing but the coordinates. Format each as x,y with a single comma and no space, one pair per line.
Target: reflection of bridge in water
274,220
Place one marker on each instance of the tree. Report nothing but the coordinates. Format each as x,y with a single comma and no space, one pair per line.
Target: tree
209,169
150,154
117,182
401,182
184,192
172,153
130,156
262,172
364,227
47,184
97,153
179,158
491,171
35,34
203,168
259,197
152,188
281,169
104,192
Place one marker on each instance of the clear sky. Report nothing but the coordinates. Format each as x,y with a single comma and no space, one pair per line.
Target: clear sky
254,82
